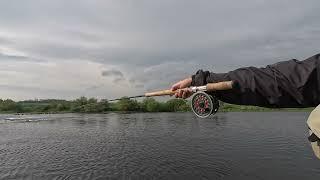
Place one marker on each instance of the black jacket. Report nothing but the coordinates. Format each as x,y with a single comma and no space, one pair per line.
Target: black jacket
290,83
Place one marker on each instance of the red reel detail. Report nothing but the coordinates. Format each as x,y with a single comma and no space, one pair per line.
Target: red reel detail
203,104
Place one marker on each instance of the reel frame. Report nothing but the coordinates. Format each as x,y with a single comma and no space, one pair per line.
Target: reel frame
203,105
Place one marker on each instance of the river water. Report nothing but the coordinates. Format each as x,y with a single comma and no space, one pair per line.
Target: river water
271,145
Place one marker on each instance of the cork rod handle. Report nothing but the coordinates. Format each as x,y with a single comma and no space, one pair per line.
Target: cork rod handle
160,93
220,86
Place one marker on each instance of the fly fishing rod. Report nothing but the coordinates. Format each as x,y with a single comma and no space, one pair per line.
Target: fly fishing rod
202,103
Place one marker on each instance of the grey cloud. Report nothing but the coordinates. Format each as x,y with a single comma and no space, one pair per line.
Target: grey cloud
159,42
138,83
21,92
116,75
12,57
112,73
139,86
4,40
118,80
94,87
132,80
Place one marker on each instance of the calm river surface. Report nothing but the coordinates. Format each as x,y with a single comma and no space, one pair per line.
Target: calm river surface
270,145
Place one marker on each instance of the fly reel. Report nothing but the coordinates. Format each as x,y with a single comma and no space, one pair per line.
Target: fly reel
203,104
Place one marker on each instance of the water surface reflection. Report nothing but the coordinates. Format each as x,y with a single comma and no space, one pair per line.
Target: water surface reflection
157,146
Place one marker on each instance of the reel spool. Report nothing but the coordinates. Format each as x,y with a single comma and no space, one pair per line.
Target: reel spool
203,104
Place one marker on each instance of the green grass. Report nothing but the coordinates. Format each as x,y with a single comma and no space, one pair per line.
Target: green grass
240,108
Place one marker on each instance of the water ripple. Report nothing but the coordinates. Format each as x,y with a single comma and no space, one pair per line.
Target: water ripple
157,146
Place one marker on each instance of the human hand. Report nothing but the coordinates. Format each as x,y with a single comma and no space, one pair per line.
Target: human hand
181,88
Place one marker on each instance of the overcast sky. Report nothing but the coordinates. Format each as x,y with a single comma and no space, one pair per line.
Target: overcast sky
104,49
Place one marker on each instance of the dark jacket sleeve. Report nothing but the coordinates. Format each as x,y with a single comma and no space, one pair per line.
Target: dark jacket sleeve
285,84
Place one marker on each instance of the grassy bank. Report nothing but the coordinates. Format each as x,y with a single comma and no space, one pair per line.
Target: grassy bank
238,108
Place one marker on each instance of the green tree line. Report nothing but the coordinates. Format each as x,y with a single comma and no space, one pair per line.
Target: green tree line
92,105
